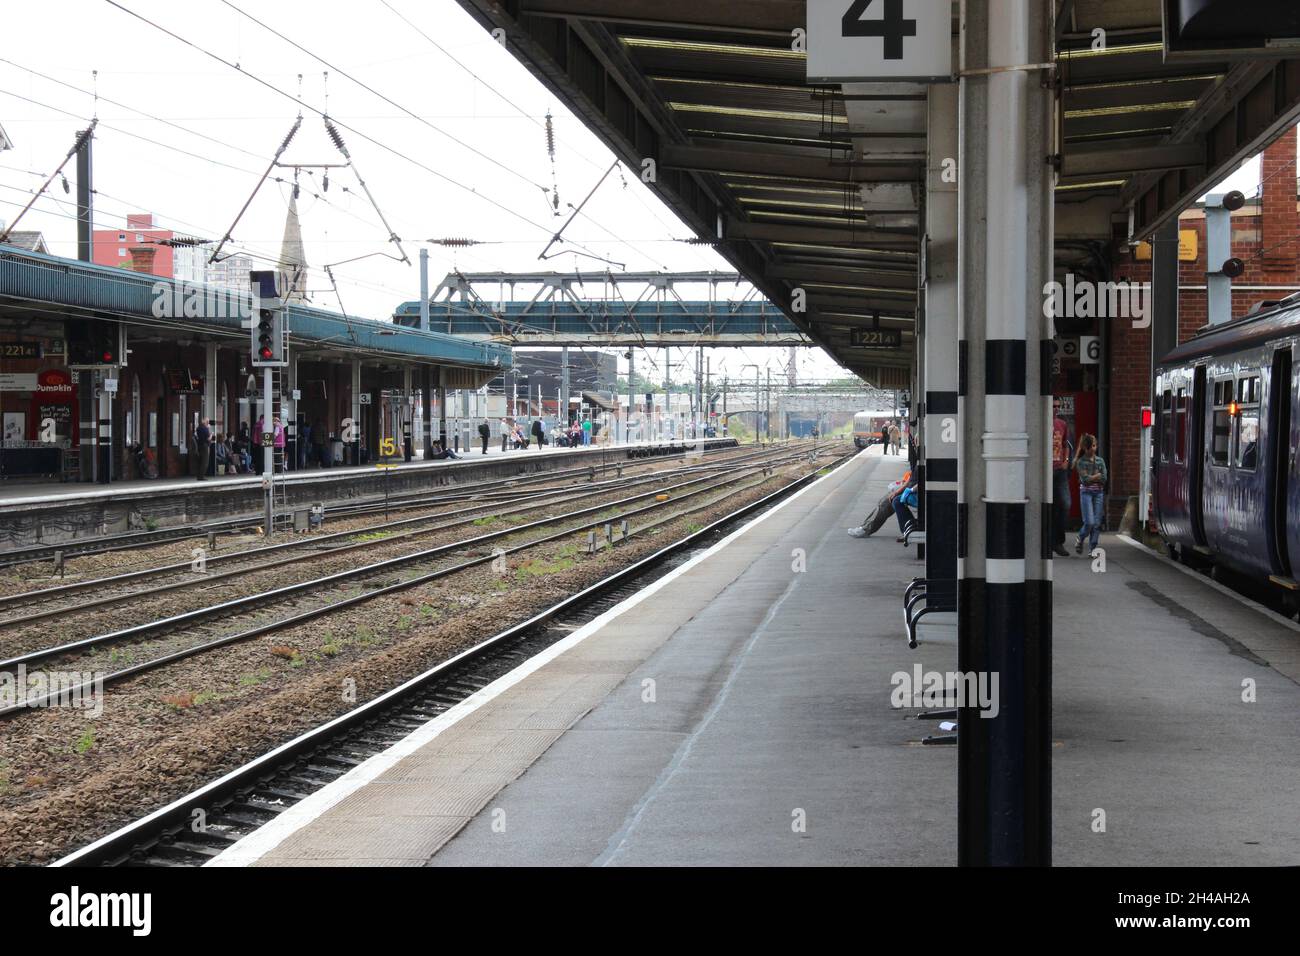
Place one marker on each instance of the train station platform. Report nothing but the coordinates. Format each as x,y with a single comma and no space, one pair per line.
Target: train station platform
43,513
738,711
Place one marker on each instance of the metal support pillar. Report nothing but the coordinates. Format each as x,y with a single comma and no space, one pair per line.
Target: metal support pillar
564,387
424,290
442,408
938,367
631,397
289,410
1004,787
767,408
1218,248
407,396
462,432
426,409
357,437
104,452
268,452
87,412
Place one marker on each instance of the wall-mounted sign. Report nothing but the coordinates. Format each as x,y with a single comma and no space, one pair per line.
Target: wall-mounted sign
866,40
21,350
55,381
1089,349
182,380
877,338
1187,247
364,398
17,381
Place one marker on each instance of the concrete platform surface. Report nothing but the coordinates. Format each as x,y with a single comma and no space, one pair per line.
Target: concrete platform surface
739,713
21,491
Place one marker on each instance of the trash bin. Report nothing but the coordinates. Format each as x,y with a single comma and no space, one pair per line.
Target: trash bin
336,451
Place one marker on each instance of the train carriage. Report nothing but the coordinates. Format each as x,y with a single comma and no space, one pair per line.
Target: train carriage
868,428
1223,467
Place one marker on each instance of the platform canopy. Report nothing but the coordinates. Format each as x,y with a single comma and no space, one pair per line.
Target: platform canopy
819,187
38,288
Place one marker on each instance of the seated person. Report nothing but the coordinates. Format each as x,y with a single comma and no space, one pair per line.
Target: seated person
905,498
442,453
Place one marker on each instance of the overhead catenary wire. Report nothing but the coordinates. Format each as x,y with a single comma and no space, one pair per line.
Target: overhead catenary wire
581,154
76,146
389,100
384,146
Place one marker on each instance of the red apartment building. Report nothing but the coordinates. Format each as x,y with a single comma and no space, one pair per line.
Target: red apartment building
121,247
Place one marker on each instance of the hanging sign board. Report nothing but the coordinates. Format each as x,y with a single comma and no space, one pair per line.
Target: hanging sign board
870,40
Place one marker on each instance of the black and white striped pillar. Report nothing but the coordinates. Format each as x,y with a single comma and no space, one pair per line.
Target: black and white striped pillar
939,358
1004,402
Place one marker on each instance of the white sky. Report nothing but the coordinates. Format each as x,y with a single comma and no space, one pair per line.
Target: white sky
498,200
143,68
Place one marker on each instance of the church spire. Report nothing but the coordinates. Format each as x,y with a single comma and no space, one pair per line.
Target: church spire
293,259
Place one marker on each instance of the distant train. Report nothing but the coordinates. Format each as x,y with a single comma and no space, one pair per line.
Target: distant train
1227,430
868,428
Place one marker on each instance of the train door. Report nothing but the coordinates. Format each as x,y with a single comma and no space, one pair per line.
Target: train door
1279,461
1196,458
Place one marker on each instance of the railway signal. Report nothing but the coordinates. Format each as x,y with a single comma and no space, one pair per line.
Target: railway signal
95,343
267,328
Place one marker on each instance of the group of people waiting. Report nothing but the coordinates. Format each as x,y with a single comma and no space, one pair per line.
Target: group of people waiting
233,453
576,435
1093,477
1089,467
891,439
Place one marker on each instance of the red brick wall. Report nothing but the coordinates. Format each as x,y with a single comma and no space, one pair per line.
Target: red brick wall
1268,244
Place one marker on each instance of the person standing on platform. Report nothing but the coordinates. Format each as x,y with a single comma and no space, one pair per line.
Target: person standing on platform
304,442
278,440
1092,492
319,443
586,432
202,447
1062,452
484,433
538,433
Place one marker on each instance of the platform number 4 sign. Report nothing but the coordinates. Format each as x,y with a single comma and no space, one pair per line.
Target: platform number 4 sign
868,40
891,29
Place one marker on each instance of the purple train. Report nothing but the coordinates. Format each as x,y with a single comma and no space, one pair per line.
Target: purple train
1227,428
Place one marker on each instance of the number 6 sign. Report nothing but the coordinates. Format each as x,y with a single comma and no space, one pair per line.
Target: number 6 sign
868,40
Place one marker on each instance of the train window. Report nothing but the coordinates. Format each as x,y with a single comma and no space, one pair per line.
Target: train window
1222,422
1166,425
1246,424
1180,426
1222,432
1247,439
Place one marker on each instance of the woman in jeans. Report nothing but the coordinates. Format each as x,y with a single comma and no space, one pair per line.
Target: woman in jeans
1091,469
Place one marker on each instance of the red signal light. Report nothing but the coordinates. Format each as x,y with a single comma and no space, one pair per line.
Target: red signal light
266,352
1148,418
108,357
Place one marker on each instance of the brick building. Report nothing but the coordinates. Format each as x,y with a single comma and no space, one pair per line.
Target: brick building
1265,236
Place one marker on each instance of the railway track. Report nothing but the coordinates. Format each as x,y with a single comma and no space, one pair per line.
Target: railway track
314,547
252,795
194,623
132,540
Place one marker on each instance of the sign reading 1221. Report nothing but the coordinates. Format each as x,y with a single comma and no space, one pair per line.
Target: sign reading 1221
870,40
